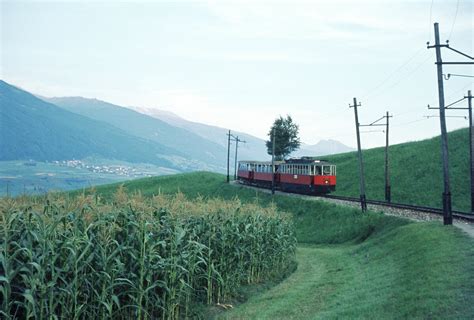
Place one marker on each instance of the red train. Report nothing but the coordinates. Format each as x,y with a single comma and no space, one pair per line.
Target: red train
306,175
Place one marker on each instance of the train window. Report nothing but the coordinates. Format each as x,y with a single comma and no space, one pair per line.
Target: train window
326,170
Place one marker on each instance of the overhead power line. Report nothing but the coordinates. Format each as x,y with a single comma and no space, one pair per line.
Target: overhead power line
454,20
431,15
400,67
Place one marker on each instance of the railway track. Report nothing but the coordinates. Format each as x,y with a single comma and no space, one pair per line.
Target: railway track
459,215
456,214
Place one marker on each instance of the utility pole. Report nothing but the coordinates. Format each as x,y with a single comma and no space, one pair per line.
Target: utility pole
273,161
388,196
447,210
237,140
471,147
363,202
228,155
387,177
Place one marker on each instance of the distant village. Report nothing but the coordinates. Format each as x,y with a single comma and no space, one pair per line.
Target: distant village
120,170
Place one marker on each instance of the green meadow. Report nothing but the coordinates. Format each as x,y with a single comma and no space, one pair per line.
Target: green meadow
416,173
350,265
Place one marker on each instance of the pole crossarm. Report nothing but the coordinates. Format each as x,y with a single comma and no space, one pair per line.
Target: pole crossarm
451,104
452,49
449,75
371,131
374,124
428,117
459,52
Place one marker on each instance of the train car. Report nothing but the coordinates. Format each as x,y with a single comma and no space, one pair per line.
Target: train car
258,173
305,175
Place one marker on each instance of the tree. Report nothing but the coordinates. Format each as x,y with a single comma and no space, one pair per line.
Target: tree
286,137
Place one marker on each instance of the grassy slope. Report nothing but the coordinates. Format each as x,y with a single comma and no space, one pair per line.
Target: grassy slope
416,172
350,265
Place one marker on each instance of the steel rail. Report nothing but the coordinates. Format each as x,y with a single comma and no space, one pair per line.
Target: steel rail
456,214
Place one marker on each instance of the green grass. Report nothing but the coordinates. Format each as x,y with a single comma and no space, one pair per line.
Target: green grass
350,265
316,221
414,271
415,171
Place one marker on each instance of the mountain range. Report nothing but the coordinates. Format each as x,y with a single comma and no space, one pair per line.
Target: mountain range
31,128
47,129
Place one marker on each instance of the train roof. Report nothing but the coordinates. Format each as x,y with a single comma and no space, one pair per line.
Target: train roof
307,160
262,162
302,160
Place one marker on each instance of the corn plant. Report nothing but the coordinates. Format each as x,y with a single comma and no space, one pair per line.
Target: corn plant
134,257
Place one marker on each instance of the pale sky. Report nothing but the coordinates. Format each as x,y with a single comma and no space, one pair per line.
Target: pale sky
240,64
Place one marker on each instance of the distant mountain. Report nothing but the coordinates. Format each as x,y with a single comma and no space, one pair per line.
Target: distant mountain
205,154
253,149
322,148
31,128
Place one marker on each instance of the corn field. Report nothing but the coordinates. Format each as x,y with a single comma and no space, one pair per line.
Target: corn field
134,257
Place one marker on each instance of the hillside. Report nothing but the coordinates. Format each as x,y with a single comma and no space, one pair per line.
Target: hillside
196,148
350,265
34,129
415,171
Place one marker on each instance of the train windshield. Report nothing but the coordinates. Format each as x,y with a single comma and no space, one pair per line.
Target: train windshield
326,170
316,170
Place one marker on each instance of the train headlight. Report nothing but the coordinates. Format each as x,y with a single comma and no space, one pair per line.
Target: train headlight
326,182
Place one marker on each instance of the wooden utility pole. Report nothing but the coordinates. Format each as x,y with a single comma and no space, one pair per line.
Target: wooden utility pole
235,159
388,196
363,202
228,155
273,161
447,210
471,147
237,140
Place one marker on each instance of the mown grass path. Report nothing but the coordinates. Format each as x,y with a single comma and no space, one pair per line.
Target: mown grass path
303,294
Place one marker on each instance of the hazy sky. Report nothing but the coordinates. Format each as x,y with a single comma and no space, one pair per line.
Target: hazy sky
240,64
